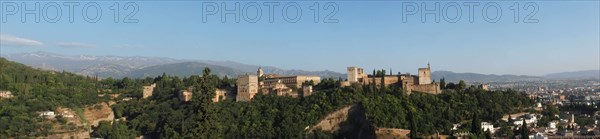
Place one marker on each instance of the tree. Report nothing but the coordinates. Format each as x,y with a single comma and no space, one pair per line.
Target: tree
382,88
413,123
462,85
476,124
451,85
524,130
488,134
117,130
443,83
206,72
374,73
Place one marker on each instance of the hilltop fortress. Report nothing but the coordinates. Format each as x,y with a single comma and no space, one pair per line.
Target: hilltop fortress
250,85
418,83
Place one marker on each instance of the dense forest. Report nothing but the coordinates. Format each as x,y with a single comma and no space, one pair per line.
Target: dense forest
37,90
267,116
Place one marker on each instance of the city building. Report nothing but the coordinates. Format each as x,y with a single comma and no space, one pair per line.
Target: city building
529,119
485,126
571,124
46,114
485,87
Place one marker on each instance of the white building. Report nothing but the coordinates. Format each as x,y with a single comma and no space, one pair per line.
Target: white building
529,119
6,94
552,124
47,114
485,126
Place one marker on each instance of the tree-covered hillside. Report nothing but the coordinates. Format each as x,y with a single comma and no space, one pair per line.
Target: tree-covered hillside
268,116
163,115
36,90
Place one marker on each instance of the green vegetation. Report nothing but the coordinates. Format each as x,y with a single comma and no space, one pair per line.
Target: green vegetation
524,130
37,90
116,130
269,116
266,116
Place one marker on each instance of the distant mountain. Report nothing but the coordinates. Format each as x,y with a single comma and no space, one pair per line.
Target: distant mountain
476,77
137,66
183,70
586,74
103,66
245,68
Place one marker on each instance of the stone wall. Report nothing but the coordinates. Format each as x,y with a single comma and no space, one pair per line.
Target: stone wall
389,80
433,88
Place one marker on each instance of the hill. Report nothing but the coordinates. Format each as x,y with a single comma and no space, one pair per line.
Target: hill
586,74
103,66
476,77
137,66
37,90
184,69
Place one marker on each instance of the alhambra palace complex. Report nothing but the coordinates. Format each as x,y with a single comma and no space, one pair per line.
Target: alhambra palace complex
419,83
249,85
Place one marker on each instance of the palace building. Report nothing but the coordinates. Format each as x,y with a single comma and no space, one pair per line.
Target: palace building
292,86
418,83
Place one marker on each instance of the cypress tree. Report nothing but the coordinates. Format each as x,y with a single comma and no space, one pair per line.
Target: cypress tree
382,84
524,130
476,124
413,124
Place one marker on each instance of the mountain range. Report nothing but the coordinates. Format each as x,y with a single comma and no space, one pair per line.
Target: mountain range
139,67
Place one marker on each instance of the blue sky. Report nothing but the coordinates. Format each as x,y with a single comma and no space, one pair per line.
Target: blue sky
370,34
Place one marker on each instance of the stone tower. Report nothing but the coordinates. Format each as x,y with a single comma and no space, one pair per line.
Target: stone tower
148,90
425,75
247,87
260,72
354,73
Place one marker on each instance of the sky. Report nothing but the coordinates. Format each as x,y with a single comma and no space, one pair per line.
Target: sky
490,37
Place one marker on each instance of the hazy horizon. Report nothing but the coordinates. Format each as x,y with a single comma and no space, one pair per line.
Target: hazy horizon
340,70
